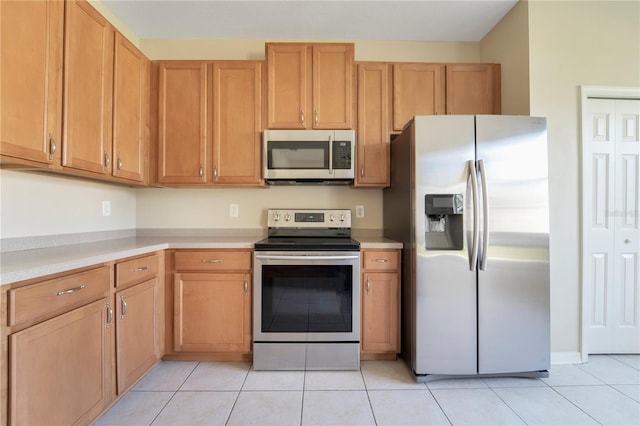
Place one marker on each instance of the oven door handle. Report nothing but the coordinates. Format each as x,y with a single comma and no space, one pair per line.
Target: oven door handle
315,257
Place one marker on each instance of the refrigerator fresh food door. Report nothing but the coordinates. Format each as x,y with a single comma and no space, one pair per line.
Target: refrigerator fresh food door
445,284
513,276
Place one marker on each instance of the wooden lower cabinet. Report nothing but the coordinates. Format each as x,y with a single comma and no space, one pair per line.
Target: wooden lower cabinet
211,304
136,332
380,304
60,368
212,312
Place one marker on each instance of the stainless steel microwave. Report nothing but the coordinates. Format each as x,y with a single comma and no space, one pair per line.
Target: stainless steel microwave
308,156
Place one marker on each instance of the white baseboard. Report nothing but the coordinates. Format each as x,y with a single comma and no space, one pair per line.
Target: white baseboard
566,358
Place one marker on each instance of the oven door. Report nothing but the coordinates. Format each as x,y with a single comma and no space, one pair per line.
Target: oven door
306,296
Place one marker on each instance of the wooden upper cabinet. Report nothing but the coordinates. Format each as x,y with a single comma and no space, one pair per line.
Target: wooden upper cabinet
418,89
182,122
88,80
309,86
31,41
130,110
287,85
332,86
237,122
372,159
473,89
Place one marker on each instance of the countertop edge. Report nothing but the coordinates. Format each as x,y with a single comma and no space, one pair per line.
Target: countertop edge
34,266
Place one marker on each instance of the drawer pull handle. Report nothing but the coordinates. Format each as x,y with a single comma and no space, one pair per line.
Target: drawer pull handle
368,286
71,290
109,316
246,287
380,260
141,269
124,307
211,260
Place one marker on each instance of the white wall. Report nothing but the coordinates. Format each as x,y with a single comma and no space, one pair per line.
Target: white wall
209,208
35,204
571,44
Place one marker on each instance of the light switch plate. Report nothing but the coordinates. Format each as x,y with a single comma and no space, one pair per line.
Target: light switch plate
106,208
359,212
233,210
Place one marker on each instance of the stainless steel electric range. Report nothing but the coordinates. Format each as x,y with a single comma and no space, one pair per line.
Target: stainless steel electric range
306,306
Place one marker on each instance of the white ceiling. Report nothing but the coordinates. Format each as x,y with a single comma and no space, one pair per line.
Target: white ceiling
420,20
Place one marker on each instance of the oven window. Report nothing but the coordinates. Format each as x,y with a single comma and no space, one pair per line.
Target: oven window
307,298
297,155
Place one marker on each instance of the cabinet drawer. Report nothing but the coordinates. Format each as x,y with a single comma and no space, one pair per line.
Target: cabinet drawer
136,270
213,260
380,260
33,301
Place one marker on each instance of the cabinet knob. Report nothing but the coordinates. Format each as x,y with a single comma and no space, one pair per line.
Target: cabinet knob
119,164
107,160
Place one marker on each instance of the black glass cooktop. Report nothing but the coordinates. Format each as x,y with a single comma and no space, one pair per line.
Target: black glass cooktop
307,243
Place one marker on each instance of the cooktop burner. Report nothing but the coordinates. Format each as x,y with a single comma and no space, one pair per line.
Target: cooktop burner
308,229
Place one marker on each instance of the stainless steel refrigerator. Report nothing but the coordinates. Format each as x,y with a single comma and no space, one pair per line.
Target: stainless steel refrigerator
469,200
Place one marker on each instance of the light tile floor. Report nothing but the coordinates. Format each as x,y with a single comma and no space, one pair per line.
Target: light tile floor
604,391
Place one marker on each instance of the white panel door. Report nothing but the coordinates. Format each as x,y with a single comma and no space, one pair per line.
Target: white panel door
612,243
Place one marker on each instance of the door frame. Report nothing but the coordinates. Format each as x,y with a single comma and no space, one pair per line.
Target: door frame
587,92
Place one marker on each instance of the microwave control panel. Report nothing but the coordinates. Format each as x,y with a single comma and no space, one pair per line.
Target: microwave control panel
341,155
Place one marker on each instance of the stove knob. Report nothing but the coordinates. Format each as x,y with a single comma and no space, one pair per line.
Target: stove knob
332,218
287,217
342,218
276,217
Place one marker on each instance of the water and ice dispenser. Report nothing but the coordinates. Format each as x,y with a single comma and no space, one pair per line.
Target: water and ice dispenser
444,224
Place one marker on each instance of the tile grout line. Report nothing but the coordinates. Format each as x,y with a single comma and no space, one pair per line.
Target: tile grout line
366,389
174,394
438,404
576,405
238,395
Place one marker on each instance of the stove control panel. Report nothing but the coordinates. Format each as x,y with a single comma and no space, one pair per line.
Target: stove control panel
308,218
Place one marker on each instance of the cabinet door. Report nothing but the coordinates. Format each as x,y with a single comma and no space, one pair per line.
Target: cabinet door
212,313
237,122
380,302
182,124
130,110
136,332
473,89
372,158
332,86
287,86
60,369
418,89
31,80
88,81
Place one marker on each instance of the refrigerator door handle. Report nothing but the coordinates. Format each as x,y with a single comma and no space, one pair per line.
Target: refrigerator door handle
473,256
485,217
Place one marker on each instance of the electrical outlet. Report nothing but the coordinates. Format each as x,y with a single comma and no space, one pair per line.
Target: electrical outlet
106,208
359,212
233,210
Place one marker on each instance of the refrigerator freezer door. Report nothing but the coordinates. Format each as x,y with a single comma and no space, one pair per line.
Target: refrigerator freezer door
445,287
513,285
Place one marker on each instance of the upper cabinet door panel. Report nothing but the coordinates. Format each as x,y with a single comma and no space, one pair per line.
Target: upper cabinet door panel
373,125
88,89
418,89
182,121
237,122
332,86
130,106
473,89
31,39
287,86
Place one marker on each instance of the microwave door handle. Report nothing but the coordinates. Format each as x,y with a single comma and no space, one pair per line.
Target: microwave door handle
330,156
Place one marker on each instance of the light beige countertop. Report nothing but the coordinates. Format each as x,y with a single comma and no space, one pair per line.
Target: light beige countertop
27,264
